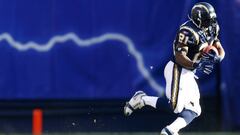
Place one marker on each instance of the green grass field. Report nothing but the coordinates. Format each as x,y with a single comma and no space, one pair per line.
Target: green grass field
140,133
147,133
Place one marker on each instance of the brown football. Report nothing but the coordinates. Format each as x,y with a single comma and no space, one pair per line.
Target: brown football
210,49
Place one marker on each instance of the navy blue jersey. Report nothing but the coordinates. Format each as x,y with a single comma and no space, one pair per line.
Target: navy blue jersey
193,37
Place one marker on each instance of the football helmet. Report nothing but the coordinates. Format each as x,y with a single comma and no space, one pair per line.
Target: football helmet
203,15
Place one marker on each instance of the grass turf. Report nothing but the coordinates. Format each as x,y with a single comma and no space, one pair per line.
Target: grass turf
138,133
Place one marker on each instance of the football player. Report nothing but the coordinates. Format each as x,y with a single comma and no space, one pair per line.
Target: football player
200,31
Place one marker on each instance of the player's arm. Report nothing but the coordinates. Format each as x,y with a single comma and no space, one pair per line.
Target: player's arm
214,31
220,49
181,56
184,40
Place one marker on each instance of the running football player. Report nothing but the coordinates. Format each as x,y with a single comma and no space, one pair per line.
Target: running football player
200,31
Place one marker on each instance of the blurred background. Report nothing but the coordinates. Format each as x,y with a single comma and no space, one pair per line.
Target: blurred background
78,61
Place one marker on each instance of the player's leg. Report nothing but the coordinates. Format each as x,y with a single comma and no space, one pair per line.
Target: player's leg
162,102
140,99
172,92
134,103
186,102
188,96
184,119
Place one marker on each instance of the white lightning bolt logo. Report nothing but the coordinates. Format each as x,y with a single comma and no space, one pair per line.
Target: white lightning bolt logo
86,43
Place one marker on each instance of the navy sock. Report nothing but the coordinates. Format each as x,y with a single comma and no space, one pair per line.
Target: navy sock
163,103
188,115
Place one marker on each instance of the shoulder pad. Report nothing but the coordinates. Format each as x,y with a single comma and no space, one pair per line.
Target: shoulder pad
187,36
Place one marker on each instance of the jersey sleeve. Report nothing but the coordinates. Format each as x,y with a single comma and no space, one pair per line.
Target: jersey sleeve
187,37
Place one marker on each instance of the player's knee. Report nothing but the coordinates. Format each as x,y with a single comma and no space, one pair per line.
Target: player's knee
188,115
199,113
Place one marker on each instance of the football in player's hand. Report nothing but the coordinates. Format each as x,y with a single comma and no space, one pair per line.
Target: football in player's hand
210,50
